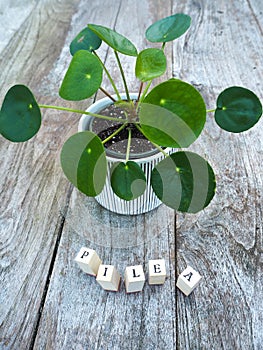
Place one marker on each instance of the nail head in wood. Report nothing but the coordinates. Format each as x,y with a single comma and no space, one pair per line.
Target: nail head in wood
134,278
108,277
157,271
188,280
88,260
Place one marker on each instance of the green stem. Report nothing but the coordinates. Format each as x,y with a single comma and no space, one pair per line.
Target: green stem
123,76
163,45
143,95
114,133
210,110
109,76
128,146
83,112
155,145
160,149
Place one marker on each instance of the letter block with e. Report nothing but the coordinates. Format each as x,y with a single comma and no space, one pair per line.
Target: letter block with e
157,271
134,278
188,280
108,277
88,260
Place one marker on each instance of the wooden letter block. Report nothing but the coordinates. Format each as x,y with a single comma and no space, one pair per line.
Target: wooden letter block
188,280
88,261
157,271
134,278
108,277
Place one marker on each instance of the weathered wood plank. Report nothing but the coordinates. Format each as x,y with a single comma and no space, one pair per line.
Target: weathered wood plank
224,242
76,306
30,217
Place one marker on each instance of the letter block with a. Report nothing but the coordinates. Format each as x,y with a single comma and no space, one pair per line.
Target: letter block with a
188,280
108,277
88,260
134,278
157,271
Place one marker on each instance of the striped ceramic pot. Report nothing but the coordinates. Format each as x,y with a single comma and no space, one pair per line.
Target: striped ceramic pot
147,161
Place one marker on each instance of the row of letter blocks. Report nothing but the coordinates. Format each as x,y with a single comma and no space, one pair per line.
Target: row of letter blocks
109,278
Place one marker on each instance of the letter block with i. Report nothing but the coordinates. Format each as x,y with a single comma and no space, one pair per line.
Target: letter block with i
108,277
188,280
157,271
134,278
88,260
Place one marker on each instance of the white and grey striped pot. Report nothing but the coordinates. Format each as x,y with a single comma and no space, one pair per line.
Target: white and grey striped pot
147,161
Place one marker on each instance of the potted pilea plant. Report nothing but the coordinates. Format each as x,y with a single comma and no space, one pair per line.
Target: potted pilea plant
163,121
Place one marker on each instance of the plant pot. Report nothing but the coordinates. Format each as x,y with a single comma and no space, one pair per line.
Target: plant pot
147,161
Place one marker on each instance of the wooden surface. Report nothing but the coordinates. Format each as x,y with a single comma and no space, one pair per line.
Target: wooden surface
46,301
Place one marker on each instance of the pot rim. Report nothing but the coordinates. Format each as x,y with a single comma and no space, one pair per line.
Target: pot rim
102,103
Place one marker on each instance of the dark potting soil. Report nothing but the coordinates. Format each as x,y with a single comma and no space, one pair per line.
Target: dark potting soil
104,128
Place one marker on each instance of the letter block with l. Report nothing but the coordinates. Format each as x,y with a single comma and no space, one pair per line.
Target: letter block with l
134,278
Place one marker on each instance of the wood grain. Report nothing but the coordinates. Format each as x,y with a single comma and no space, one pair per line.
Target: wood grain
30,217
224,242
46,301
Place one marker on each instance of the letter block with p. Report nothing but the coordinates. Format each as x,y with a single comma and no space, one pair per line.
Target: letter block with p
88,260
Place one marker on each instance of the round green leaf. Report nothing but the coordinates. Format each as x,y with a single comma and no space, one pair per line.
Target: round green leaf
173,114
83,161
115,40
169,28
238,109
20,116
184,181
128,180
150,64
85,40
83,77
